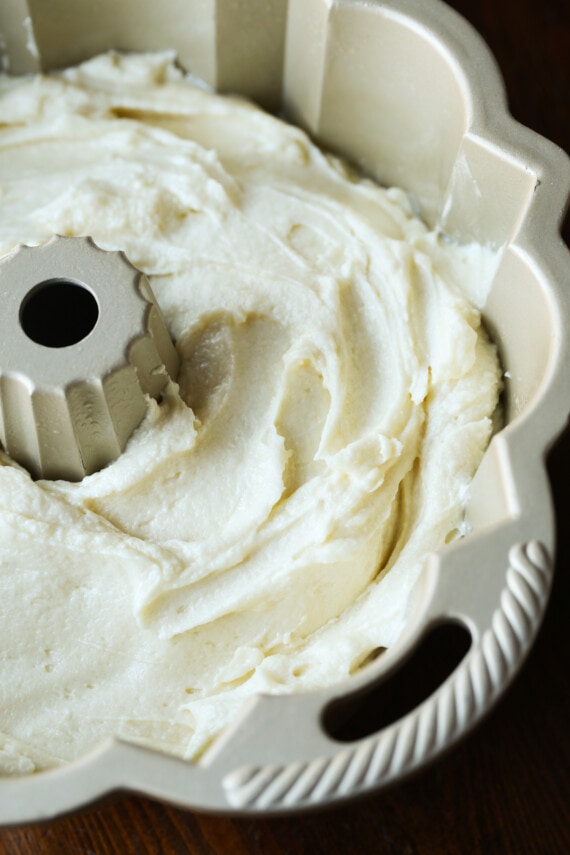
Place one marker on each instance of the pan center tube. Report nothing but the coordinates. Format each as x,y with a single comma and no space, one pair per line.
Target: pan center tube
83,345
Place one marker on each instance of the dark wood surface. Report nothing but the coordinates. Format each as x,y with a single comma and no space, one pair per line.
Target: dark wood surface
506,789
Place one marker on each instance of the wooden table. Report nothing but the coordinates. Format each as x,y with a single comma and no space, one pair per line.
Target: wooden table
506,789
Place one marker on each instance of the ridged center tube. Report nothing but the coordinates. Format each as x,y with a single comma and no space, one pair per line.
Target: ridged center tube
82,345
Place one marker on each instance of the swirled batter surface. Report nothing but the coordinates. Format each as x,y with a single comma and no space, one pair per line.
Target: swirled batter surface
265,526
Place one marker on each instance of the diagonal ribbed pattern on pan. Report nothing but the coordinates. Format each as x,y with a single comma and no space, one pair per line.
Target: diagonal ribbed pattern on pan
434,726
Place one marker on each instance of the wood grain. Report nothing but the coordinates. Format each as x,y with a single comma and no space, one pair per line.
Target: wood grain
506,788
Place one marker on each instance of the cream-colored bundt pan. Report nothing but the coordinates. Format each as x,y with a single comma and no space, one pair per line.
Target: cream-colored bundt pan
408,90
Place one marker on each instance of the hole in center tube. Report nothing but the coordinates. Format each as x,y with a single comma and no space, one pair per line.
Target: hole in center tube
431,663
58,313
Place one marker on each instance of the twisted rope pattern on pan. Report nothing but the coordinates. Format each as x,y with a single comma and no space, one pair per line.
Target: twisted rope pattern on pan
434,725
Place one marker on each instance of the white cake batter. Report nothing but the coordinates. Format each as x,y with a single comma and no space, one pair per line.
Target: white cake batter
267,522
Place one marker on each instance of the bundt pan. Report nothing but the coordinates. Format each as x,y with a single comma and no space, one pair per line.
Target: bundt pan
407,90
